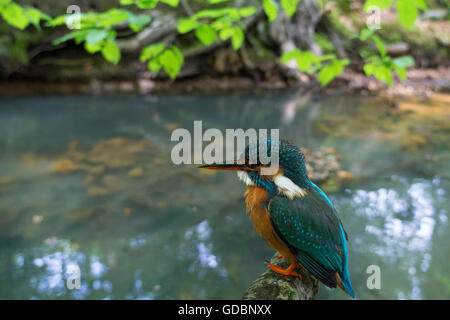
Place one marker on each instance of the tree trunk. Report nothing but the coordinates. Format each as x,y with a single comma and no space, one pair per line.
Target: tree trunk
298,30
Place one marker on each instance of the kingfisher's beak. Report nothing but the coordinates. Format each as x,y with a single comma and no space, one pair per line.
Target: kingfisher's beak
225,166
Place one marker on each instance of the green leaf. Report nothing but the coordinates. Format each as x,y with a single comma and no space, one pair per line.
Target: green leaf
3,2
366,34
154,65
172,60
407,13
271,9
93,48
151,51
247,11
230,13
289,6
383,74
288,56
173,3
305,60
147,4
96,35
127,2
401,73
35,16
330,71
80,36
15,15
220,24
111,51
178,54
382,4
421,5
379,71
217,1
136,23
326,75
206,34
187,25
369,69
323,42
404,61
106,19
57,21
237,38
380,45
226,33
69,36
236,35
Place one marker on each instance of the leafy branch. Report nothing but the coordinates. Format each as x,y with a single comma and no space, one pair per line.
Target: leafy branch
19,17
327,66
380,65
217,23
407,10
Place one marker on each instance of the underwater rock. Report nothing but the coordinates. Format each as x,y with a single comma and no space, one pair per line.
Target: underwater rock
98,191
95,170
83,213
6,181
64,165
345,175
116,152
30,159
102,160
322,163
136,172
73,153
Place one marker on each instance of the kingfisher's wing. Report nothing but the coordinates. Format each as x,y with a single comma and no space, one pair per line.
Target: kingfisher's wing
311,229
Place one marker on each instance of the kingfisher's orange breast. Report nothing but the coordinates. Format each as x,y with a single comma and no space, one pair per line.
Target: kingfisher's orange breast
254,202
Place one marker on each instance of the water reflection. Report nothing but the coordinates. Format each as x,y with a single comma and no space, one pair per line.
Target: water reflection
139,227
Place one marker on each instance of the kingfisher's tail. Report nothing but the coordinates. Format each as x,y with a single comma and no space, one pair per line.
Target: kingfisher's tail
343,281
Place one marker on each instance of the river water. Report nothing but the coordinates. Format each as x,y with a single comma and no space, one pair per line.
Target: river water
87,182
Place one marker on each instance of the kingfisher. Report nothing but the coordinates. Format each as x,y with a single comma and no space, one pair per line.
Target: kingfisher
293,214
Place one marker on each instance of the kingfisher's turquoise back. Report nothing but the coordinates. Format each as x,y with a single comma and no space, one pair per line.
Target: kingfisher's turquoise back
311,229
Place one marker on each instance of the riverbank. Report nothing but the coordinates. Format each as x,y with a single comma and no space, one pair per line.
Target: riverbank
420,82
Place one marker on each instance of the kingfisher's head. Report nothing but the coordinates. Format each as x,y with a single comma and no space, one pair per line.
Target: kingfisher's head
287,177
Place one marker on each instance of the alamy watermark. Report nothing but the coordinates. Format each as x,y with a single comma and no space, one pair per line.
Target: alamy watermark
213,153
73,19
74,279
374,280
373,21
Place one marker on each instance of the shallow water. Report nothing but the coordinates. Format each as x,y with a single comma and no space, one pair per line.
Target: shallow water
88,181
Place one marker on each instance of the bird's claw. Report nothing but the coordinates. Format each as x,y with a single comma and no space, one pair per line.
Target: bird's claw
286,272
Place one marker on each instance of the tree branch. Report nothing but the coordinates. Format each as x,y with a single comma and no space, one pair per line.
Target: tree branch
247,22
162,27
273,286
167,26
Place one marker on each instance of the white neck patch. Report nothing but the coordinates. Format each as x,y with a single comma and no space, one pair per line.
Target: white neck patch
242,175
288,187
284,184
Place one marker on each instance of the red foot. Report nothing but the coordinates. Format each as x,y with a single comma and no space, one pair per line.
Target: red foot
286,272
